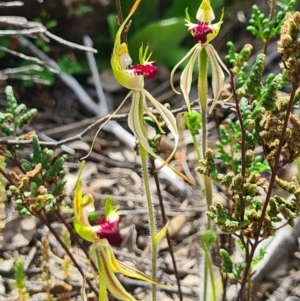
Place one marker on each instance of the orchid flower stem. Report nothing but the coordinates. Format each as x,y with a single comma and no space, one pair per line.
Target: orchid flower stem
208,264
203,91
144,158
196,146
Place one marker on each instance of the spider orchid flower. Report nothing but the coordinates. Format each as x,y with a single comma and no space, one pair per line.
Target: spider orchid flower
203,33
102,234
132,77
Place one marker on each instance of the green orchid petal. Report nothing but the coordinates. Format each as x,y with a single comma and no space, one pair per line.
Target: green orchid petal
217,73
144,57
187,16
170,121
122,268
120,59
191,51
187,75
153,117
102,279
83,206
216,28
205,12
86,232
126,79
111,282
135,124
111,211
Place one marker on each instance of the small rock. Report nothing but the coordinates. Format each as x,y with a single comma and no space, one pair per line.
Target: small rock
28,223
19,241
7,265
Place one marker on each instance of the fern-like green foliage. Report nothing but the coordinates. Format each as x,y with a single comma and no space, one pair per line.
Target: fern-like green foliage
16,115
42,187
269,93
227,264
228,150
253,84
262,27
234,271
239,61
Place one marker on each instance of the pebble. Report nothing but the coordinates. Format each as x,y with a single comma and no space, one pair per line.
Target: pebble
7,265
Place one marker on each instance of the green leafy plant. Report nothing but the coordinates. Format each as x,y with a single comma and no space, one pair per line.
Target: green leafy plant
263,117
16,115
20,280
266,28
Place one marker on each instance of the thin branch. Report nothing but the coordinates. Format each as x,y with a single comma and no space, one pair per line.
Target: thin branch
12,3
70,44
87,41
27,58
21,69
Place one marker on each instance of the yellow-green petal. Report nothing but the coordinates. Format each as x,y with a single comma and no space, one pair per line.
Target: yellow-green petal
191,51
126,270
187,75
136,124
111,281
205,12
82,205
87,233
217,73
119,54
170,121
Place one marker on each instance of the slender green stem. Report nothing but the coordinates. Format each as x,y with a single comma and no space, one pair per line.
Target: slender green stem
196,146
209,264
203,91
249,288
144,158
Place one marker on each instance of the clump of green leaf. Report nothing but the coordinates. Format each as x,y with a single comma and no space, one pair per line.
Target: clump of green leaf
20,280
239,61
16,115
262,27
41,187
